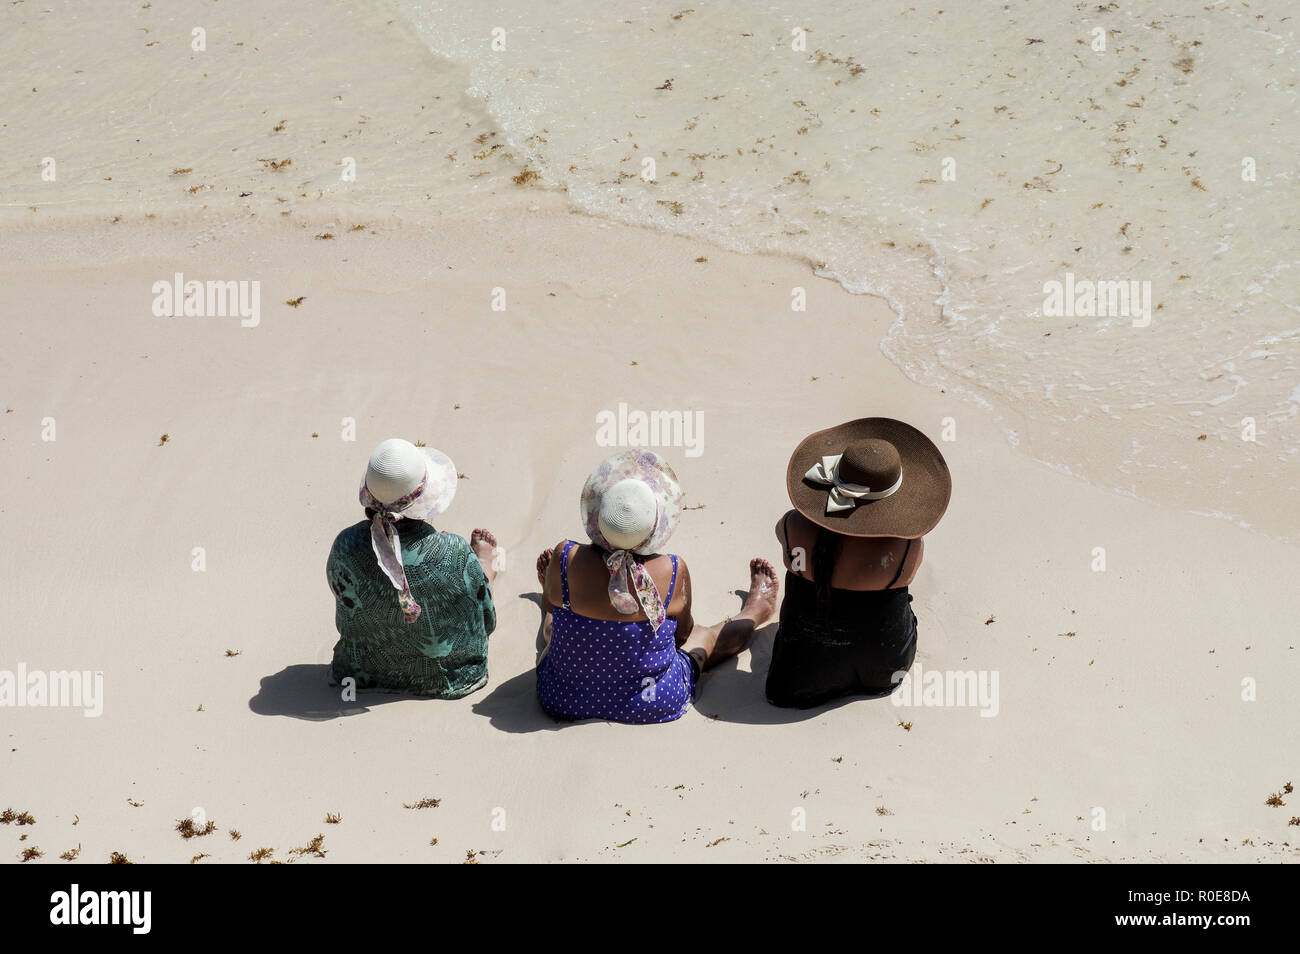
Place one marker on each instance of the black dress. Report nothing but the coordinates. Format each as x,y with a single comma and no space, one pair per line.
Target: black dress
832,642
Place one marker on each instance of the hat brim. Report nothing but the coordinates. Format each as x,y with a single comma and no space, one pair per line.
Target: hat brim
643,465
910,512
439,488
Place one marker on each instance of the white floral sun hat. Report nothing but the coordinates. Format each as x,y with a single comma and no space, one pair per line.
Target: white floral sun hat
630,505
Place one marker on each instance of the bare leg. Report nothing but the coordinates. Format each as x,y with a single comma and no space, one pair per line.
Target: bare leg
484,544
727,638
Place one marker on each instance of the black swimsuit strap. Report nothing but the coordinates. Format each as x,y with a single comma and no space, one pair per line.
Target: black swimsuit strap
901,563
785,532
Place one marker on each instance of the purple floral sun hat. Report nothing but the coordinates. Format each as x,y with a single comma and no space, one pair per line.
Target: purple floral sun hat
403,481
630,505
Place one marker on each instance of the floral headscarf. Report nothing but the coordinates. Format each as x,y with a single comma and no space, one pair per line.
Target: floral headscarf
388,545
431,497
620,563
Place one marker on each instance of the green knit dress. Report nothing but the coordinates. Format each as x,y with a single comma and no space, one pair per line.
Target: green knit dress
444,652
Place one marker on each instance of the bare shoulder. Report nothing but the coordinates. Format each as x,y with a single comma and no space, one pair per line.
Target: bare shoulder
898,559
660,567
797,534
554,586
682,596
791,523
683,580
914,554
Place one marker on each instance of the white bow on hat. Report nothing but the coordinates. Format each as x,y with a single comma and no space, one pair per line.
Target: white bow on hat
844,495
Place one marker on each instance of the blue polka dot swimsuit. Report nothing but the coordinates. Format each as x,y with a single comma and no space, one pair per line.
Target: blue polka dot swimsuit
607,669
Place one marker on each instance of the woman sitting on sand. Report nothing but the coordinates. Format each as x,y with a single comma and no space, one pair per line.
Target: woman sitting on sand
864,494
616,649
430,636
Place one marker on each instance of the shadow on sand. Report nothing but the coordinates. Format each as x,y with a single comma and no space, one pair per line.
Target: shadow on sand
512,706
724,693
304,692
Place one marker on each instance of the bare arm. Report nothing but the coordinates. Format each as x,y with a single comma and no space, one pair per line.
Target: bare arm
912,563
685,623
792,522
780,536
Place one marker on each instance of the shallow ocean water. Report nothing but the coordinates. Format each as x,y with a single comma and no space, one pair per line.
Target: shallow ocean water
958,159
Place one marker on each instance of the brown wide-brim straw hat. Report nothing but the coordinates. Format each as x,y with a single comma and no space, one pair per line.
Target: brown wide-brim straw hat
873,477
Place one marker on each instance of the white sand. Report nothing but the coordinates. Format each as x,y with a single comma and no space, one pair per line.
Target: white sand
1139,712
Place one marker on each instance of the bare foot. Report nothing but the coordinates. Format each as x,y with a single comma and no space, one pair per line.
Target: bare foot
732,635
484,544
760,604
543,563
